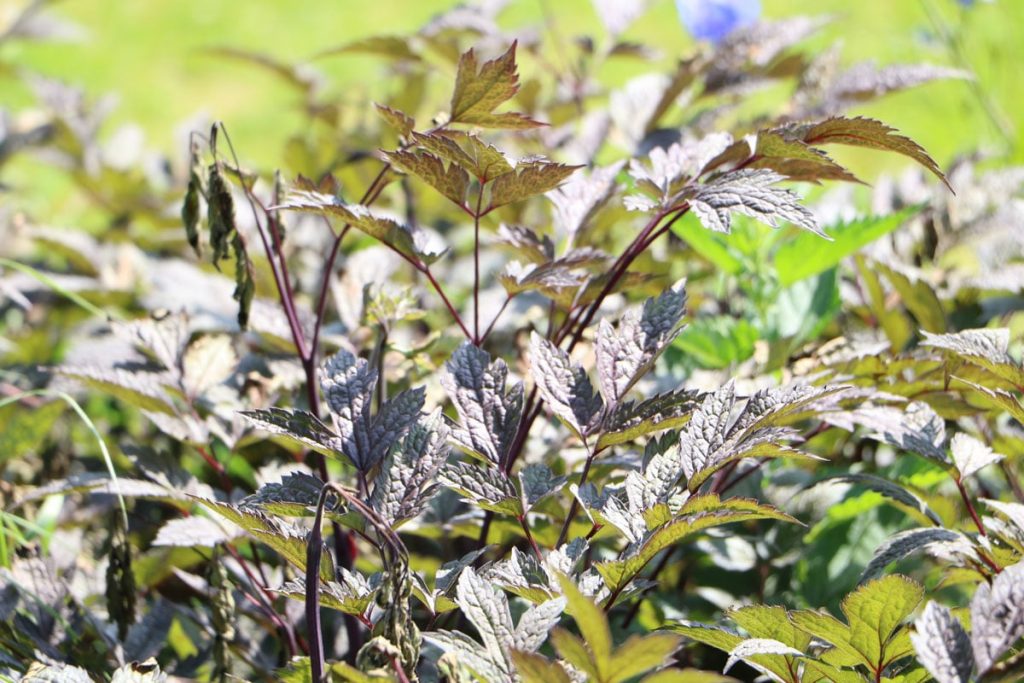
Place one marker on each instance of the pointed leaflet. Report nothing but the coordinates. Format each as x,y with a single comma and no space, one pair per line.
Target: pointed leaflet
874,613
633,419
530,177
348,384
971,455
488,487
406,480
479,89
296,495
532,629
902,544
536,482
299,426
291,542
352,594
489,415
987,348
942,645
997,616
709,441
750,192
758,646
450,180
407,241
399,120
864,132
487,609
564,386
625,354
467,151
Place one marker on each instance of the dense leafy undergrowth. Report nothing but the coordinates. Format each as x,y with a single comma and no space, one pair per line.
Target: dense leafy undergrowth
457,411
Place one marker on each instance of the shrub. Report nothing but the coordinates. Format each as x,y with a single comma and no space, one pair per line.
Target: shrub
566,419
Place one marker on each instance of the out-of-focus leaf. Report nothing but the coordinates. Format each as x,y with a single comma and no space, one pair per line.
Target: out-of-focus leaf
22,429
805,255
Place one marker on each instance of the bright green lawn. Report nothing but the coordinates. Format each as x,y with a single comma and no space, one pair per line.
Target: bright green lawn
151,53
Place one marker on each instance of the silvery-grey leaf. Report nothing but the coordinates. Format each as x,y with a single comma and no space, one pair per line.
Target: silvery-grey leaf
295,495
448,574
537,481
1012,511
903,543
348,384
55,673
626,353
997,616
750,192
704,435
971,455
486,486
580,197
395,418
942,645
489,414
195,531
758,646
918,429
564,386
406,480
471,654
487,609
139,672
297,425
532,629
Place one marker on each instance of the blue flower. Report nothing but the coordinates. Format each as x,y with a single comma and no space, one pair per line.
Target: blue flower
715,19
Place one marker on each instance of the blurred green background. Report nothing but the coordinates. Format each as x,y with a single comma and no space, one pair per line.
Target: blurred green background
154,56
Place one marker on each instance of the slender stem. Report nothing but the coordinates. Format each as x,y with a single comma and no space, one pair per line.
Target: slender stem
487,332
574,508
529,537
531,411
448,304
476,266
970,508
267,606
